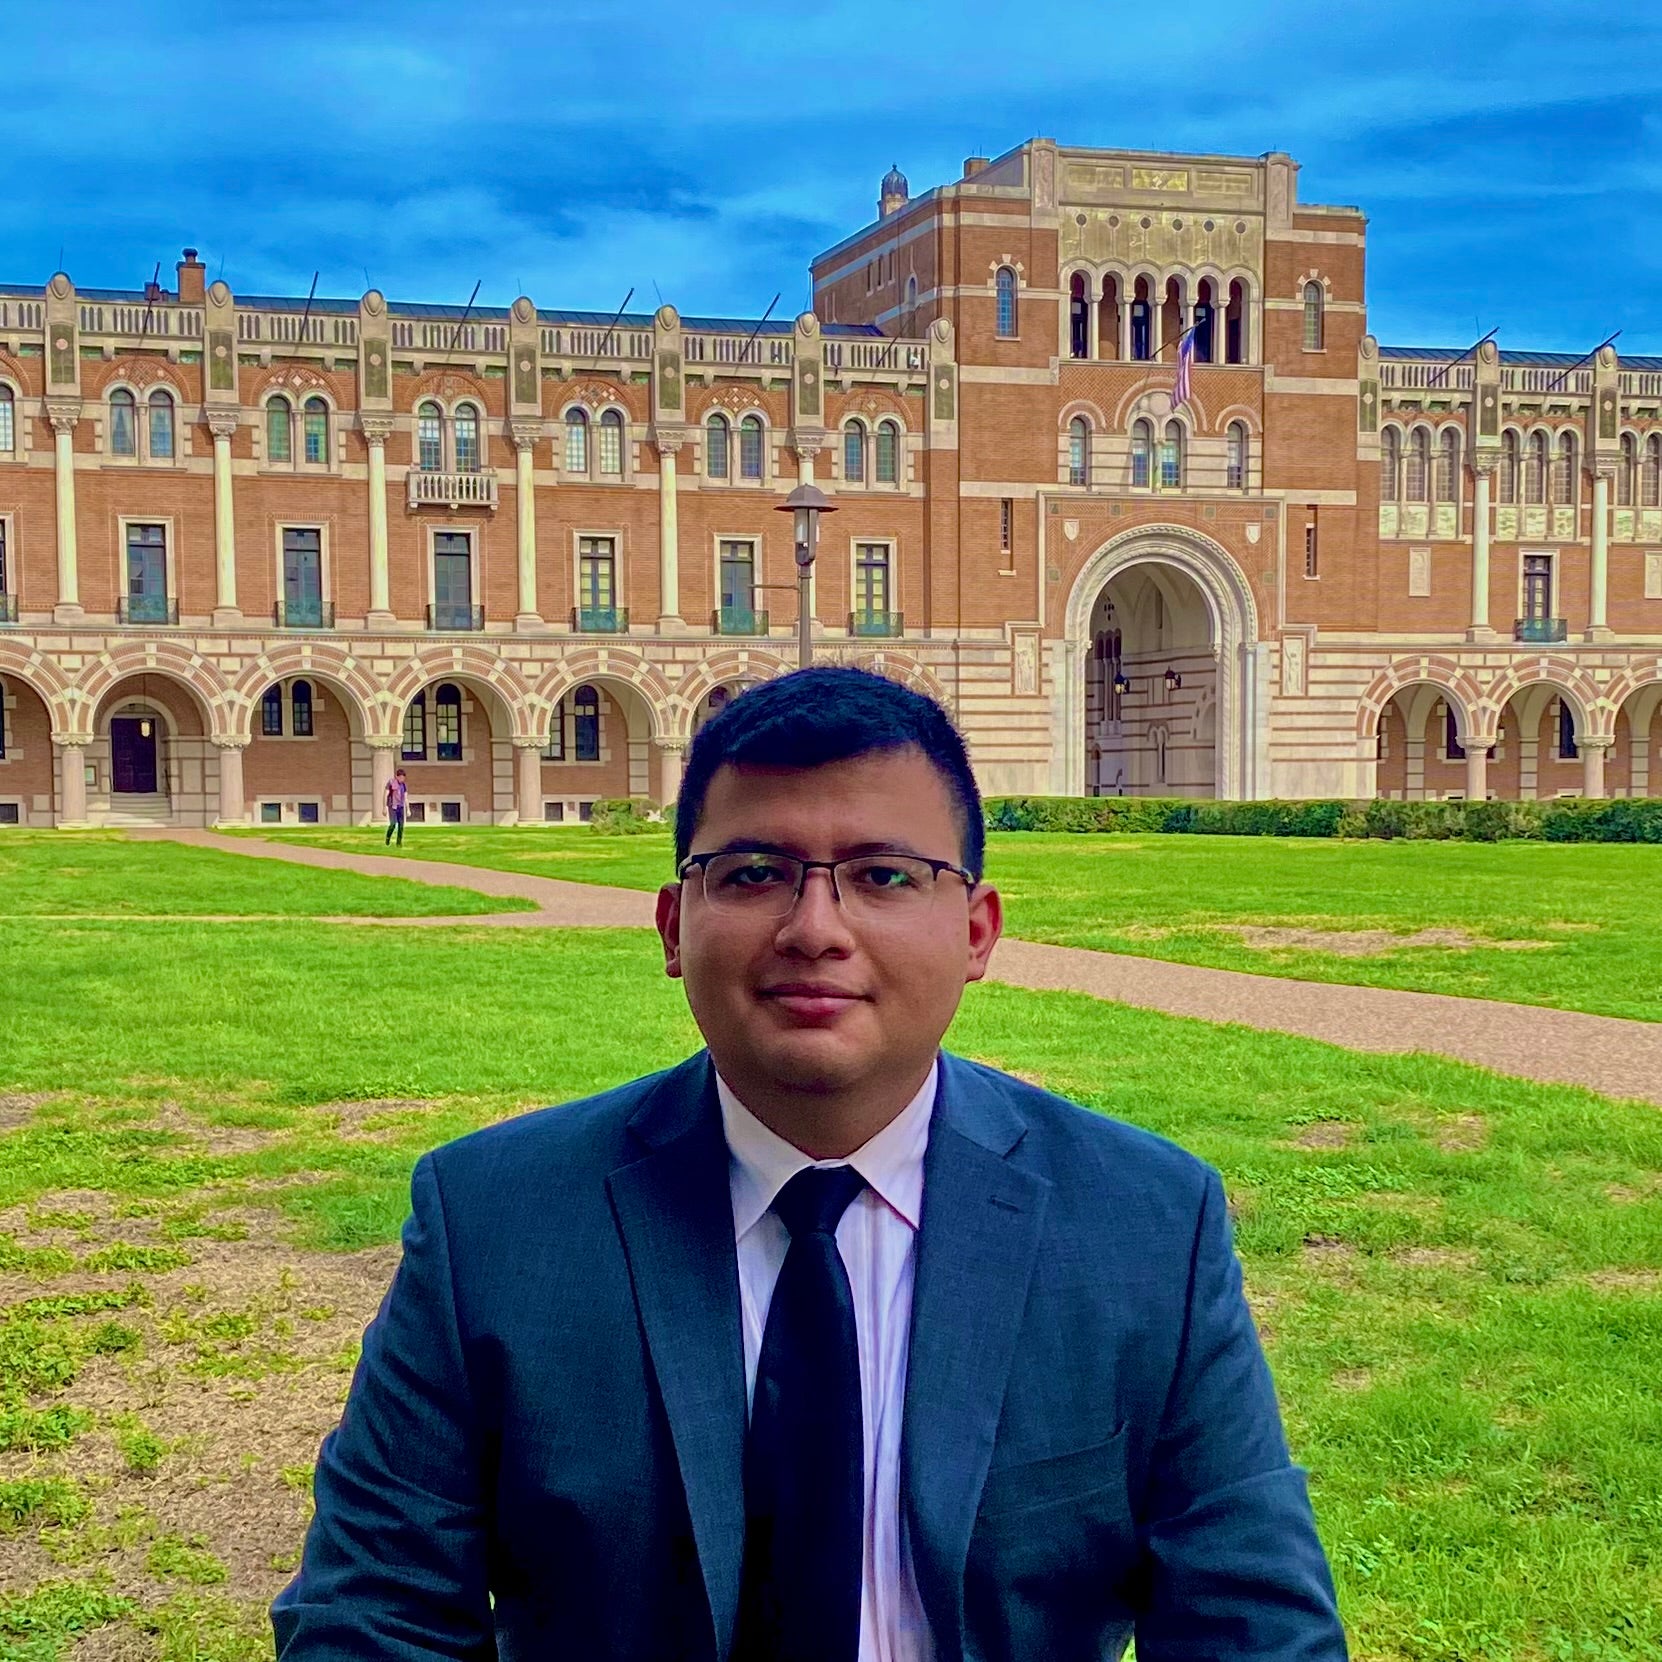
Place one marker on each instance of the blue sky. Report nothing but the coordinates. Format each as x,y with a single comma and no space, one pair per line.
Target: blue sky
1509,156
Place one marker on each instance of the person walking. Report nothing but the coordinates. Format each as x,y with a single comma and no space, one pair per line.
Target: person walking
398,792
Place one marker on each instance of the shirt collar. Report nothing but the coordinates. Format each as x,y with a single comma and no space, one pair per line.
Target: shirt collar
763,1162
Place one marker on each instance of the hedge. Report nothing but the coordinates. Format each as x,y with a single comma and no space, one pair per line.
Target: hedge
628,816
1560,820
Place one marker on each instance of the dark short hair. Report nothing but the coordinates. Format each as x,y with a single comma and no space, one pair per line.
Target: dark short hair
813,717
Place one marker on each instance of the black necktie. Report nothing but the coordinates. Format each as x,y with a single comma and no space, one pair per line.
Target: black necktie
804,1457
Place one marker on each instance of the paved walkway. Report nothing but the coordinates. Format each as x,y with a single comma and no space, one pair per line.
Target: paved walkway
1603,1053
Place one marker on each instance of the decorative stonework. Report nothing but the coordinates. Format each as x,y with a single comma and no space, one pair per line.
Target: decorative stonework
294,378
449,383
376,429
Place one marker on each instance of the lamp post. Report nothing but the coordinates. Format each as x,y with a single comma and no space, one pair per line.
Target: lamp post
807,503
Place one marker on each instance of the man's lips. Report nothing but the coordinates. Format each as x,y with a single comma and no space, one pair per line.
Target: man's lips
812,1001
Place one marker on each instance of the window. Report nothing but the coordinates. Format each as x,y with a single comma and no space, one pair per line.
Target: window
1142,328
317,432
1142,450
1108,319
1311,551
1006,519
1314,301
554,746
300,701
1234,325
1537,585
1079,451
1171,457
1650,477
1451,736
467,439
1535,469
577,441
123,423
1390,465
611,442
1448,466
717,435
1566,731
1235,467
447,722
871,580
1079,317
738,587
147,574
854,453
585,724
308,813
161,425
888,453
554,813
1206,313
5,572
597,580
1419,465
452,580
302,577
1627,472
279,430
271,813
750,447
415,729
8,424
1563,471
430,439
450,813
271,712
1508,482
1005,288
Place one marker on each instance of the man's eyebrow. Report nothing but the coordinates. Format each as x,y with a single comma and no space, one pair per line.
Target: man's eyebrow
853,851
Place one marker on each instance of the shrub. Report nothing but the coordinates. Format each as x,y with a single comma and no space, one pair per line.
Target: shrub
624,816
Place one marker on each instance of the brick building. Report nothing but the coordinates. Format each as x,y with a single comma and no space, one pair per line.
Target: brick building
255,552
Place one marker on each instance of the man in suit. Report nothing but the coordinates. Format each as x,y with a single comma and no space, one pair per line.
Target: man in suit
823,1346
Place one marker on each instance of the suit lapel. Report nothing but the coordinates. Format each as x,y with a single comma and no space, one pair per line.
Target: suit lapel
976,1249
674,1210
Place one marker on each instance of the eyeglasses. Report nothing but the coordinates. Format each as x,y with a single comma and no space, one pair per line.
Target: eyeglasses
872,887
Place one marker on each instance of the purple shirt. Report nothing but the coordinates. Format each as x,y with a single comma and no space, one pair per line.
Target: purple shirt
397,790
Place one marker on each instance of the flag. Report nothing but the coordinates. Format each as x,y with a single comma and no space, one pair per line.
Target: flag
1185,358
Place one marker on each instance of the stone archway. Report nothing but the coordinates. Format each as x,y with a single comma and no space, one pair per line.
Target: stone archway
1224,698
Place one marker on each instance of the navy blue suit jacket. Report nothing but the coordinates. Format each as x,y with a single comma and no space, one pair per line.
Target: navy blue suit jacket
542,1452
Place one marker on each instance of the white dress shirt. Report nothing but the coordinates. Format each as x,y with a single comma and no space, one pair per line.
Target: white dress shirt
877,1238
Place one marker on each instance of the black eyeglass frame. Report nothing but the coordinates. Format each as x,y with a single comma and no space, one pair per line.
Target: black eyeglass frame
701,861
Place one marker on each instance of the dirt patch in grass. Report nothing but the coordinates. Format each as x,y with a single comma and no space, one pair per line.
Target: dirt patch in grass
1626,1281
18,1107
1326,1134
375,1120
1328,1249
1460,1133
214,1139
1352,1379
1436,1258
1366,943
1632,1194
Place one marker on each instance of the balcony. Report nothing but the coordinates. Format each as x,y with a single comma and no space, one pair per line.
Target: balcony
1540,631
447,615
452,490
887,624
147,608
305,614
739,620
599,620
8,608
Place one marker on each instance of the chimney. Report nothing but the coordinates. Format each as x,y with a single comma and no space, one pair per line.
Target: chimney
974,165
192,279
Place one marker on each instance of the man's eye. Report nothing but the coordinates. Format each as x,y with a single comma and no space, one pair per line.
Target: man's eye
878,876
757,874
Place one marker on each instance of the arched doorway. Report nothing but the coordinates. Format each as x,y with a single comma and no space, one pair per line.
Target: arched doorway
1418,738
151,759
307,762
598,745
1536,756
1635,764
456,753
1163,692
27,774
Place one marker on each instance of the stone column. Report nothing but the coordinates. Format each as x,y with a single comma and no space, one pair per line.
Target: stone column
382,750
671,753
525,504
1592,765
670,620
376,431
233,806
1480,629
528,780
1597,629
63,419
805,457
226,613
1477,771
72,779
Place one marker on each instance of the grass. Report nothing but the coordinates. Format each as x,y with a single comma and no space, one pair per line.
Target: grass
1575,926
1459,1276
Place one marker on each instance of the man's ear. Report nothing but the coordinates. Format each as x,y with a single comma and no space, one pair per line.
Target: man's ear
669,928
986,924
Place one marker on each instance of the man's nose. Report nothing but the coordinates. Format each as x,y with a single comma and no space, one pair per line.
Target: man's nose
816,923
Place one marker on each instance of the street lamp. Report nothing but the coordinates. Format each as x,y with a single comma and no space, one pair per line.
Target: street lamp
807,503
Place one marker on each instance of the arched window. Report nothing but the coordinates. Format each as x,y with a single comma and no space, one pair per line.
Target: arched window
414,747
317,432
271,712
300,700
8,425
1235,324
750,447
1005,286
1448,466
1628,472
716,436
430,438
1079,451
611,442
467,439
1142,449
911,303
447,722
1079,317
854,453
1108,319
1535,469
1563,471
1419,465
1206,323
1650,478
1314,300
888,453
1390,465
1171,457
279,430
123,423
585,709
577,441
1508,481
161,425
1235,473
1142,322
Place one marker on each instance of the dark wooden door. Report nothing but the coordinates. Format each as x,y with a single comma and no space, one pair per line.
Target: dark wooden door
133,754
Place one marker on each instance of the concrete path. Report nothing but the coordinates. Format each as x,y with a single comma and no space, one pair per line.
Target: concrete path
1605,1054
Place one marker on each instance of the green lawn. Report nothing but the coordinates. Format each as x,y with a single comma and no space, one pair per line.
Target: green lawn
1584,920
1459,1276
